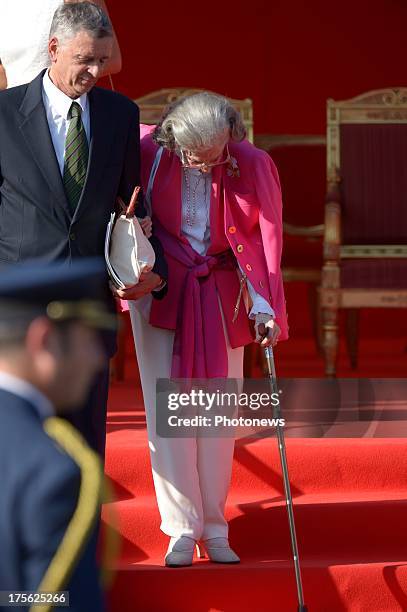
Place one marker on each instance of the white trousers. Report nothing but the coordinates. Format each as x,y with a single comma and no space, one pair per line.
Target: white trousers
191,475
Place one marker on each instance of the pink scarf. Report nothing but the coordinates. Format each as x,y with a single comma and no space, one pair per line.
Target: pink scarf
199,345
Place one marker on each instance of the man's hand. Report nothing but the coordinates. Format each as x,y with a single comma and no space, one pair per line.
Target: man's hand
147,283
265,324
146,225
3,78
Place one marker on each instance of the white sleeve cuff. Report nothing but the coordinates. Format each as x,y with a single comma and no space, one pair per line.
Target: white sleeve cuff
259,303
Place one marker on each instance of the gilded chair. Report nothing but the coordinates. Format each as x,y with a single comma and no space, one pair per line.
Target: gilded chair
153,104
365,250
301,160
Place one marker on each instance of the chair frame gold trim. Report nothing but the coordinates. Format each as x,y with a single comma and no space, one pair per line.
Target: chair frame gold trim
388,106
373,251
378,106
153,104
267,142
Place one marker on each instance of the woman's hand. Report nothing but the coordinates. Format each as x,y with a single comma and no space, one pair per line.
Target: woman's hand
146,226
147,283
267,330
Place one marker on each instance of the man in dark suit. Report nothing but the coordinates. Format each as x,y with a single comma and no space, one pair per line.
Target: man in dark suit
51,481
67,151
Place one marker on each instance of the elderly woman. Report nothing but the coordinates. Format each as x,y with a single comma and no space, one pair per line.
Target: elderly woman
216,207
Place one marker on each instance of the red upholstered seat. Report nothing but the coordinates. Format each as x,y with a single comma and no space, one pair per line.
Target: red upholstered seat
374,183
374,201
301,166
302,170
300,252
374,273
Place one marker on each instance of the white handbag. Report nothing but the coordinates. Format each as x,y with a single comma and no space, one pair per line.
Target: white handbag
128,252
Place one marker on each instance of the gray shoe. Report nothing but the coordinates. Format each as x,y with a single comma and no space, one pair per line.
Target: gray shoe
180,552
219,551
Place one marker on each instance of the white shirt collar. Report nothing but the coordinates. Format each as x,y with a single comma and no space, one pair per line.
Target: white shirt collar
59,102
27,391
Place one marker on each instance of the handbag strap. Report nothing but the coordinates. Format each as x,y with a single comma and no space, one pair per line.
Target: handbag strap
154,168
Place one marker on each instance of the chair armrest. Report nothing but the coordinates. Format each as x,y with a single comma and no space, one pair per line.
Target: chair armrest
310,231
332,226
330,277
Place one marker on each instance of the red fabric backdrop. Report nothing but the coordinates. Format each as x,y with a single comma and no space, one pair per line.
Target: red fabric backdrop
287,55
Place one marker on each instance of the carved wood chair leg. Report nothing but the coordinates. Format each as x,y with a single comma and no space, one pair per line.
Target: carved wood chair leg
352,334
330,335
320,335
314,309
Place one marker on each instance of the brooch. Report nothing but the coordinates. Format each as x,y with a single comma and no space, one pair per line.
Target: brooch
233,168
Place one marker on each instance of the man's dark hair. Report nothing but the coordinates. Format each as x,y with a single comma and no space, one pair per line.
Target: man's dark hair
69,19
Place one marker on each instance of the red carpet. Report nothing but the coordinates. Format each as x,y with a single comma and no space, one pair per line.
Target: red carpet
350,509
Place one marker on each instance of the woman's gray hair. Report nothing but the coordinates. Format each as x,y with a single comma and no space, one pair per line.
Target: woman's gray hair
71,18
198,121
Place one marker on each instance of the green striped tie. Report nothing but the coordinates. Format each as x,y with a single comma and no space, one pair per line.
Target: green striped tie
76,157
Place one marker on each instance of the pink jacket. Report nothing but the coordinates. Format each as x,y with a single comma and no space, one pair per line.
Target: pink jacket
252,224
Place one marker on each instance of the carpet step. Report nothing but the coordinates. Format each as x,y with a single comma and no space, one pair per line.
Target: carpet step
267,586
352,537
326,525
315,464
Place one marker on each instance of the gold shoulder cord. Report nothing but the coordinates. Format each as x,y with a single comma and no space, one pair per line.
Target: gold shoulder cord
86,512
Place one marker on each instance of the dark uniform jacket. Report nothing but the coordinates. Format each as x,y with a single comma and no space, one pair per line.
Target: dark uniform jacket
40,486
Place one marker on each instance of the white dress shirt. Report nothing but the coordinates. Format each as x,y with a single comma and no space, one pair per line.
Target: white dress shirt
57,106
27,391
196,203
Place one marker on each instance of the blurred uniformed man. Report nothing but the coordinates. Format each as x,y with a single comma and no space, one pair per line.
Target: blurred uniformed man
51,481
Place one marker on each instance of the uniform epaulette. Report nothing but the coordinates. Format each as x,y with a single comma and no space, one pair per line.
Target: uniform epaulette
87,510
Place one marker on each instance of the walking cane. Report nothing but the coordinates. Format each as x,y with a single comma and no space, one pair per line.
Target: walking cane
268,351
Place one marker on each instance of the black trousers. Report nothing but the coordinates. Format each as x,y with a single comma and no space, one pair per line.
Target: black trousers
90,420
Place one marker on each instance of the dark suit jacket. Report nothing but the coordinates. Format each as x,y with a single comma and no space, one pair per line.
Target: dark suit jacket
35,220
39,493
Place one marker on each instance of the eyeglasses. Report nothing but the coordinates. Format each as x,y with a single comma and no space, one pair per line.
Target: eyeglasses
203,166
